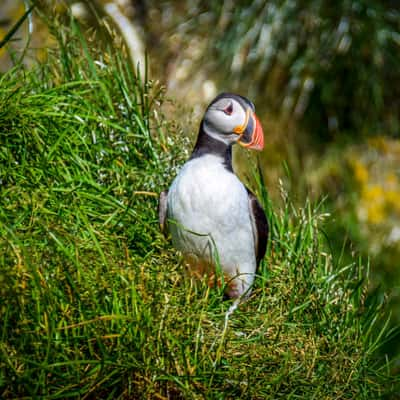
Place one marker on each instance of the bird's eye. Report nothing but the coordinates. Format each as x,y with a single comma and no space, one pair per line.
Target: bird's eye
229,109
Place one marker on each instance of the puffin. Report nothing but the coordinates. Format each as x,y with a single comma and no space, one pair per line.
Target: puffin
214,220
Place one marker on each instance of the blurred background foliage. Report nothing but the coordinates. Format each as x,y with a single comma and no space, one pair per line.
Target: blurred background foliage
329,64
325,79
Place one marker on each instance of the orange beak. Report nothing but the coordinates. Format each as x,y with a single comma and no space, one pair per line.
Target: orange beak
251,132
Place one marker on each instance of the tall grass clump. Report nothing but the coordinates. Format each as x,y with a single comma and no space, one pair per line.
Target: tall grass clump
94,302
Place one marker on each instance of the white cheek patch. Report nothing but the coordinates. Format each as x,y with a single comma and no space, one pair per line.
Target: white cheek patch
238,117
222,123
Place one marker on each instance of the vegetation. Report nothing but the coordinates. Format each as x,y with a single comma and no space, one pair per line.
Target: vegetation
94,303
314,59
325,79
366,192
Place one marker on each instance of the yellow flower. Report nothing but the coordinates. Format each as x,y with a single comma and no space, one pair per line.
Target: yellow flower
360,172
373,193
373,199
376,213
392,198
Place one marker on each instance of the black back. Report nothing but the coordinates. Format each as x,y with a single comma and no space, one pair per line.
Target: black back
260,226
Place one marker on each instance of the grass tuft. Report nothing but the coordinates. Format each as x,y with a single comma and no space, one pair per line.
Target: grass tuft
94,302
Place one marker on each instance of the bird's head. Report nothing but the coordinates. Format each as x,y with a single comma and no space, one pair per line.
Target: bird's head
231,118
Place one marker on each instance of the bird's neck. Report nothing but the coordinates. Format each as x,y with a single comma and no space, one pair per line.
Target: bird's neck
206,144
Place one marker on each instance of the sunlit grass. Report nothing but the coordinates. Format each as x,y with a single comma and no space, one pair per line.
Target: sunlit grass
94,302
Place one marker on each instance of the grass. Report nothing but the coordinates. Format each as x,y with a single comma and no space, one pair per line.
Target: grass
93,300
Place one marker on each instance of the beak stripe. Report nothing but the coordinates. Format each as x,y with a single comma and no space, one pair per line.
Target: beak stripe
252,136
240,129
247,135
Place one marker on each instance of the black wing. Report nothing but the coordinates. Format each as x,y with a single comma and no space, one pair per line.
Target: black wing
162,211
260,226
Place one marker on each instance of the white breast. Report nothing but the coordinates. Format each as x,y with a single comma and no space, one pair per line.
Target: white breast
208,214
